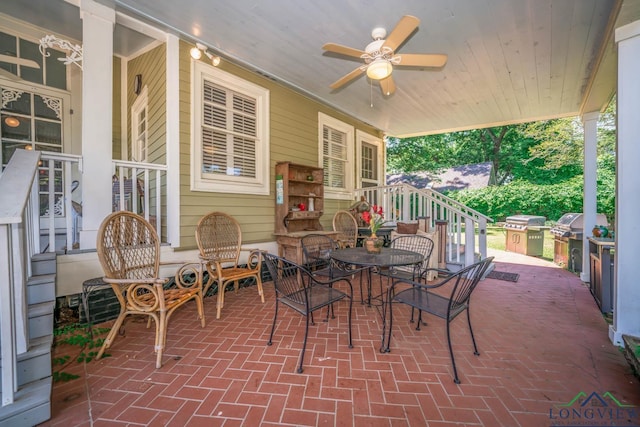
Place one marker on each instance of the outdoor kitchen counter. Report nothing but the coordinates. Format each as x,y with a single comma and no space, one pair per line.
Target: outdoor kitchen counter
601,254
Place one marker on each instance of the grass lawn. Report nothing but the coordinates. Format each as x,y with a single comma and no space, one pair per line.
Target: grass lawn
496,239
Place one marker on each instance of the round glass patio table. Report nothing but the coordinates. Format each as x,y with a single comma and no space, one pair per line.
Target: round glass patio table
388,257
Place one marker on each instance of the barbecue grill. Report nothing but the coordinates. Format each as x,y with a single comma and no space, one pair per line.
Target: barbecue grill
567,243
525,234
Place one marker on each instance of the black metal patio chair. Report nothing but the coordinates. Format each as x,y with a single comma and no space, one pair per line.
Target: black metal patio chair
434,299
316,250
300,290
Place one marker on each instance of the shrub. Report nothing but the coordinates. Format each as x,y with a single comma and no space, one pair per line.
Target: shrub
551,200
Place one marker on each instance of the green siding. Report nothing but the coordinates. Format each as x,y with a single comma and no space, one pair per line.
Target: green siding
294,137
116,147
152,66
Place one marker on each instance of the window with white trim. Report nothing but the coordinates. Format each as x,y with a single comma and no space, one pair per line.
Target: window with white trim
139,127
336,156
230,144
370,160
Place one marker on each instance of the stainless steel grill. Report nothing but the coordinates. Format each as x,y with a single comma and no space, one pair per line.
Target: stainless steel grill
525,234
567,243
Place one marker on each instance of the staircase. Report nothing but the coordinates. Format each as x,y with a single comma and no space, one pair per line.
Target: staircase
462,230
32,401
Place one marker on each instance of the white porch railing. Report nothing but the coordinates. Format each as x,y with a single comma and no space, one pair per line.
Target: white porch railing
59,227
403,202
59,171
142,195
18,240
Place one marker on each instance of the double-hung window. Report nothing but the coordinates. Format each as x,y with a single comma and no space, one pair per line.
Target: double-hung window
336,156
230,148
370,160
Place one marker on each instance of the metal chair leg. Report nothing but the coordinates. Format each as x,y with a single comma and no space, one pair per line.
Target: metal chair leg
453,360
304,344
273,327
475,347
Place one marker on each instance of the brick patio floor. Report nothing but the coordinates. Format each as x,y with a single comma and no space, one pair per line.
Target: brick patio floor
542,341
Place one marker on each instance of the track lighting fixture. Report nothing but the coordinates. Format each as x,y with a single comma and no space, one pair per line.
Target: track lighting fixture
199,49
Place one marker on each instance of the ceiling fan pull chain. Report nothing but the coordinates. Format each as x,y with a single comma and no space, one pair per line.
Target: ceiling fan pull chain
371,92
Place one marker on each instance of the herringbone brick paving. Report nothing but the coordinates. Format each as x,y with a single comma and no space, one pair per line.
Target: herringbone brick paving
542,341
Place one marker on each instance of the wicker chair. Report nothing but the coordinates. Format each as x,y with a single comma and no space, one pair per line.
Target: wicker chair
347,227
300,290
446,299
219,240
129,252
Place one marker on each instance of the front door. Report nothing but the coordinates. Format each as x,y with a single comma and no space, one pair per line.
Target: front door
34,118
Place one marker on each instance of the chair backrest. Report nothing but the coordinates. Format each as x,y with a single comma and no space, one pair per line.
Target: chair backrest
466,280
347,227
128,247
316,250
219,237
288,278
415,243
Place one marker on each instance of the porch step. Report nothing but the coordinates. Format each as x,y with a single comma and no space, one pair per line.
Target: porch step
35,363
41,288
31,405
42,264
41,319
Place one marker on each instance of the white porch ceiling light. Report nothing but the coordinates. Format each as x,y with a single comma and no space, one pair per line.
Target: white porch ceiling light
199,49
379,69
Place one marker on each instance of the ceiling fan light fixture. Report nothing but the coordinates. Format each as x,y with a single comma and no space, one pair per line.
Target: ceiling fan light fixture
379,69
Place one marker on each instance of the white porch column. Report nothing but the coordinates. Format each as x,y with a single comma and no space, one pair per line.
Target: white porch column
626,296
173,140
97,98
589,205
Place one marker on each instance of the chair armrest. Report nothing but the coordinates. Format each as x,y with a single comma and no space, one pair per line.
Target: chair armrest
190,275
150,280
327,282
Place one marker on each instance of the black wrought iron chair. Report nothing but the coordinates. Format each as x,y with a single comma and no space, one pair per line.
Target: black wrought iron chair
415,243
418,272
316,250
434,299
300,290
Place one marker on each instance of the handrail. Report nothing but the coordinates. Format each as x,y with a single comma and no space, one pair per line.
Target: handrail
17,186
403,202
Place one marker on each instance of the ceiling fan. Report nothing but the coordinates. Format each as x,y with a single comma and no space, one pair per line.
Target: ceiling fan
380,55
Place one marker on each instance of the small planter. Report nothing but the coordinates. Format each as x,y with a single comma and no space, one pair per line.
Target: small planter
632,352
373,244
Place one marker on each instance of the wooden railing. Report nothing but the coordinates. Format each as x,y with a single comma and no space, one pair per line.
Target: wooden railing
466,228
18,242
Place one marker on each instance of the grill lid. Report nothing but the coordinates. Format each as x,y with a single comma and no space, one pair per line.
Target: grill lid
575,221
526,220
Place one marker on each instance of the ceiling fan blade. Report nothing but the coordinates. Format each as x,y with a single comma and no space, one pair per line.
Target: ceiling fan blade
19,61
387,86
422,60
4,73
343,50
346,79
403,29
